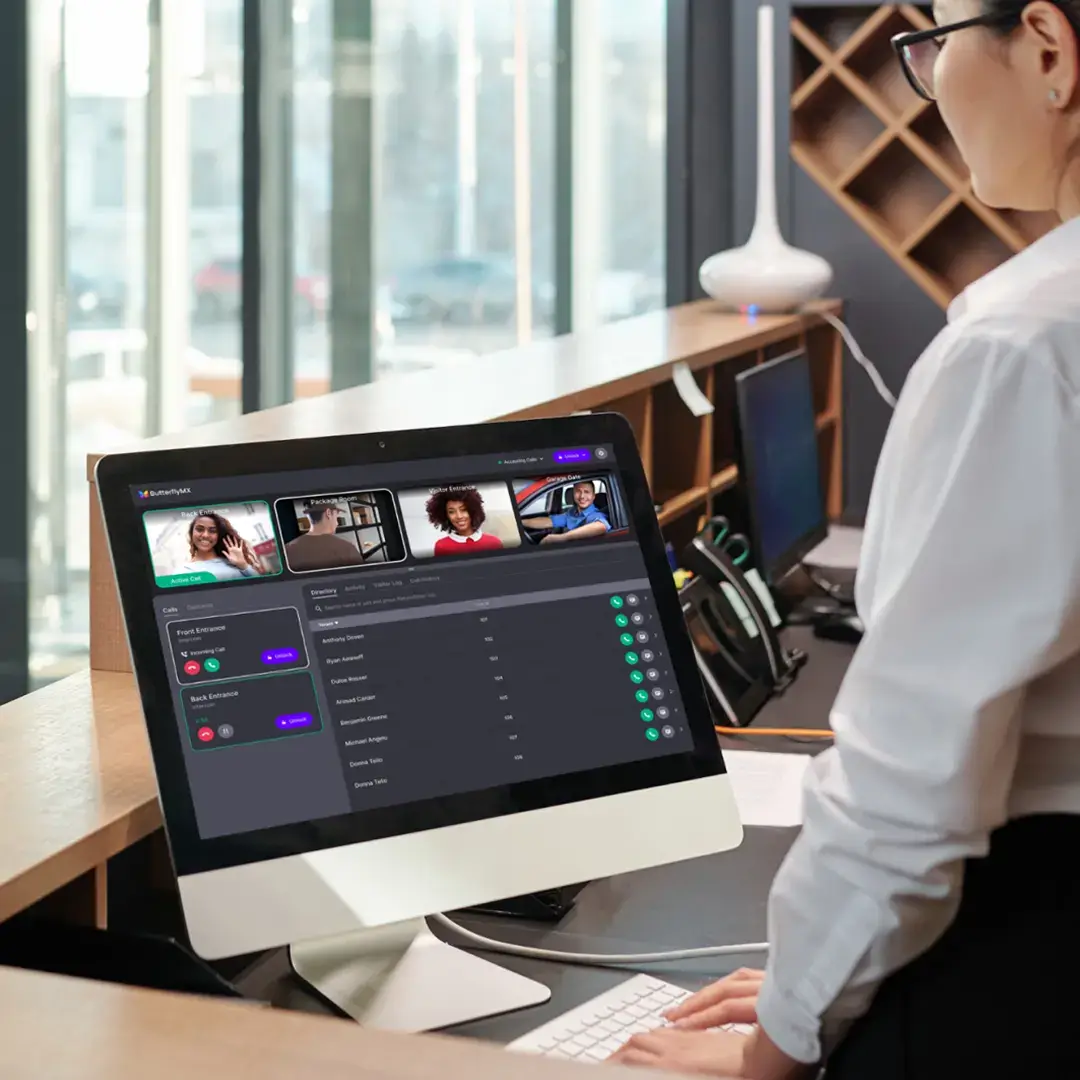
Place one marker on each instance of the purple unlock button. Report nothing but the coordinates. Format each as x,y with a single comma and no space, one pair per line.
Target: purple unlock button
280,656
293,720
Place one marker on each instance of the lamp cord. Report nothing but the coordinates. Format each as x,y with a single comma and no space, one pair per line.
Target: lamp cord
875,376
595,959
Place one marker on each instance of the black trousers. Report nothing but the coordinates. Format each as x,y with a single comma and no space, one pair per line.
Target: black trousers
998,996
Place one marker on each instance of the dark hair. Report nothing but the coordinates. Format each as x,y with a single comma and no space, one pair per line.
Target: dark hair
317,511
224,529
1007,13
591,483
473,500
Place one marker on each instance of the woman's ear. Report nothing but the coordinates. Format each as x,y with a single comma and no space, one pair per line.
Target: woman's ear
1058,45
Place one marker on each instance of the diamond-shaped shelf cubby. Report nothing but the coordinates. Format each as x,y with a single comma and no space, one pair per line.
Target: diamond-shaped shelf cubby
833,128
931,129
874,62
898,190
834,26
960,251
803,64
886,156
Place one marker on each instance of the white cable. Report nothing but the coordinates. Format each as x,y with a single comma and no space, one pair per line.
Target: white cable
860,356
596,959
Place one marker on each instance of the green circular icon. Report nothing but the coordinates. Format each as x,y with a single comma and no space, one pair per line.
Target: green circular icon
631,657
621,620
212,664
648,715
616,601
627,639
637,677
642,696
652,734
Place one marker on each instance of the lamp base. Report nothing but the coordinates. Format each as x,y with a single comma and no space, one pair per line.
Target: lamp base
769,274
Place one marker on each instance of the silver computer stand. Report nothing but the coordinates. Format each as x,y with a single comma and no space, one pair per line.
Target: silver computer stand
403,978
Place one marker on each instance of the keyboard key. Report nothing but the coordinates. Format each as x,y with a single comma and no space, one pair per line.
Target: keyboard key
609,1046
636,1011
595,1054
609,1026
623,1018
583,1041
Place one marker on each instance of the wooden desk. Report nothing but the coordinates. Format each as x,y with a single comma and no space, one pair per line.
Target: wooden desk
76,784
76,787
69,1029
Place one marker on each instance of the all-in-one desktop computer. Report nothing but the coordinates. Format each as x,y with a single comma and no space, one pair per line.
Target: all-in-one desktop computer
386,676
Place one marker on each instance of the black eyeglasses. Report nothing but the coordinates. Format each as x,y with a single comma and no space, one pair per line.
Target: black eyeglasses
919,49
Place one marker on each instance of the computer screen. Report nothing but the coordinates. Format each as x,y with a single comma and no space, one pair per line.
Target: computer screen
779,465
343,640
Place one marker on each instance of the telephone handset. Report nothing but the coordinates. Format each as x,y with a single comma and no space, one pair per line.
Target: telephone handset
738,651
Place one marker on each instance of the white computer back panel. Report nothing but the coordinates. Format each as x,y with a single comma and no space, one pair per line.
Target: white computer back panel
267,904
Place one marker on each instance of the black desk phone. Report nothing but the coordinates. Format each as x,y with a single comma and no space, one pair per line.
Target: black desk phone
739,654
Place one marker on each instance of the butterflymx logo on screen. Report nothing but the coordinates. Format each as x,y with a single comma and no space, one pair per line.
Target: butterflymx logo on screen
162,493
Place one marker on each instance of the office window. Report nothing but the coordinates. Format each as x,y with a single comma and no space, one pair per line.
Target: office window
108,384
460,230
213,86
619,159
108,129
416,203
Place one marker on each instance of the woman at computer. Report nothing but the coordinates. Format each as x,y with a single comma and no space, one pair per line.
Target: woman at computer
926,922
215,547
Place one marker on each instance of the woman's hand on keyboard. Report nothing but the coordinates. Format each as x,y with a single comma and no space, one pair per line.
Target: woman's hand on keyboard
720,1054
732,1000
698,1053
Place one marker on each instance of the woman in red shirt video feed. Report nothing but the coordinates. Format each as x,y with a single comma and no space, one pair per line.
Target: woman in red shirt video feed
459,512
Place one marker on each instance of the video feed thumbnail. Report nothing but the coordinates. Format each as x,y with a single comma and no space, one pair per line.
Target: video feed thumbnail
573,507
459,519
339,531
202,545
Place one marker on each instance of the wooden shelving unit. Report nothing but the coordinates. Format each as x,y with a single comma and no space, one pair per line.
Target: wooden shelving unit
865,137
691,461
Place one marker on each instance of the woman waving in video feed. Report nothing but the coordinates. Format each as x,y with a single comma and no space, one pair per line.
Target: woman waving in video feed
217,548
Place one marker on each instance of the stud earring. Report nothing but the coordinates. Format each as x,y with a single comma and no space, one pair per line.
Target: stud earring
1054,95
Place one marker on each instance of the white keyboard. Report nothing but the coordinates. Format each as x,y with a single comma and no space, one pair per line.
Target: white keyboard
595,1030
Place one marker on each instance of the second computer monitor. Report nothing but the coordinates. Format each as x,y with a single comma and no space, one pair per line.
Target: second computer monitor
779,463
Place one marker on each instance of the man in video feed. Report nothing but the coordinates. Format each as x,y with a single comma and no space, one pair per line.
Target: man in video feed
215,547
581,523
319,548
460,514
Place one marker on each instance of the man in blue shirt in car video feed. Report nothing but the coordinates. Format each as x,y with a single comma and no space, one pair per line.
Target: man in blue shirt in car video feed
580,523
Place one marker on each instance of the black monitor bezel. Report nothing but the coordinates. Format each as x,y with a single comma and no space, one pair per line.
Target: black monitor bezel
118,474
783,564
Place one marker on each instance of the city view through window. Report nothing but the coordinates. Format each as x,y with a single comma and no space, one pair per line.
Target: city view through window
463,239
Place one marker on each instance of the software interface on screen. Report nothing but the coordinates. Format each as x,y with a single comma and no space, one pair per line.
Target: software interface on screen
777,420
348,639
